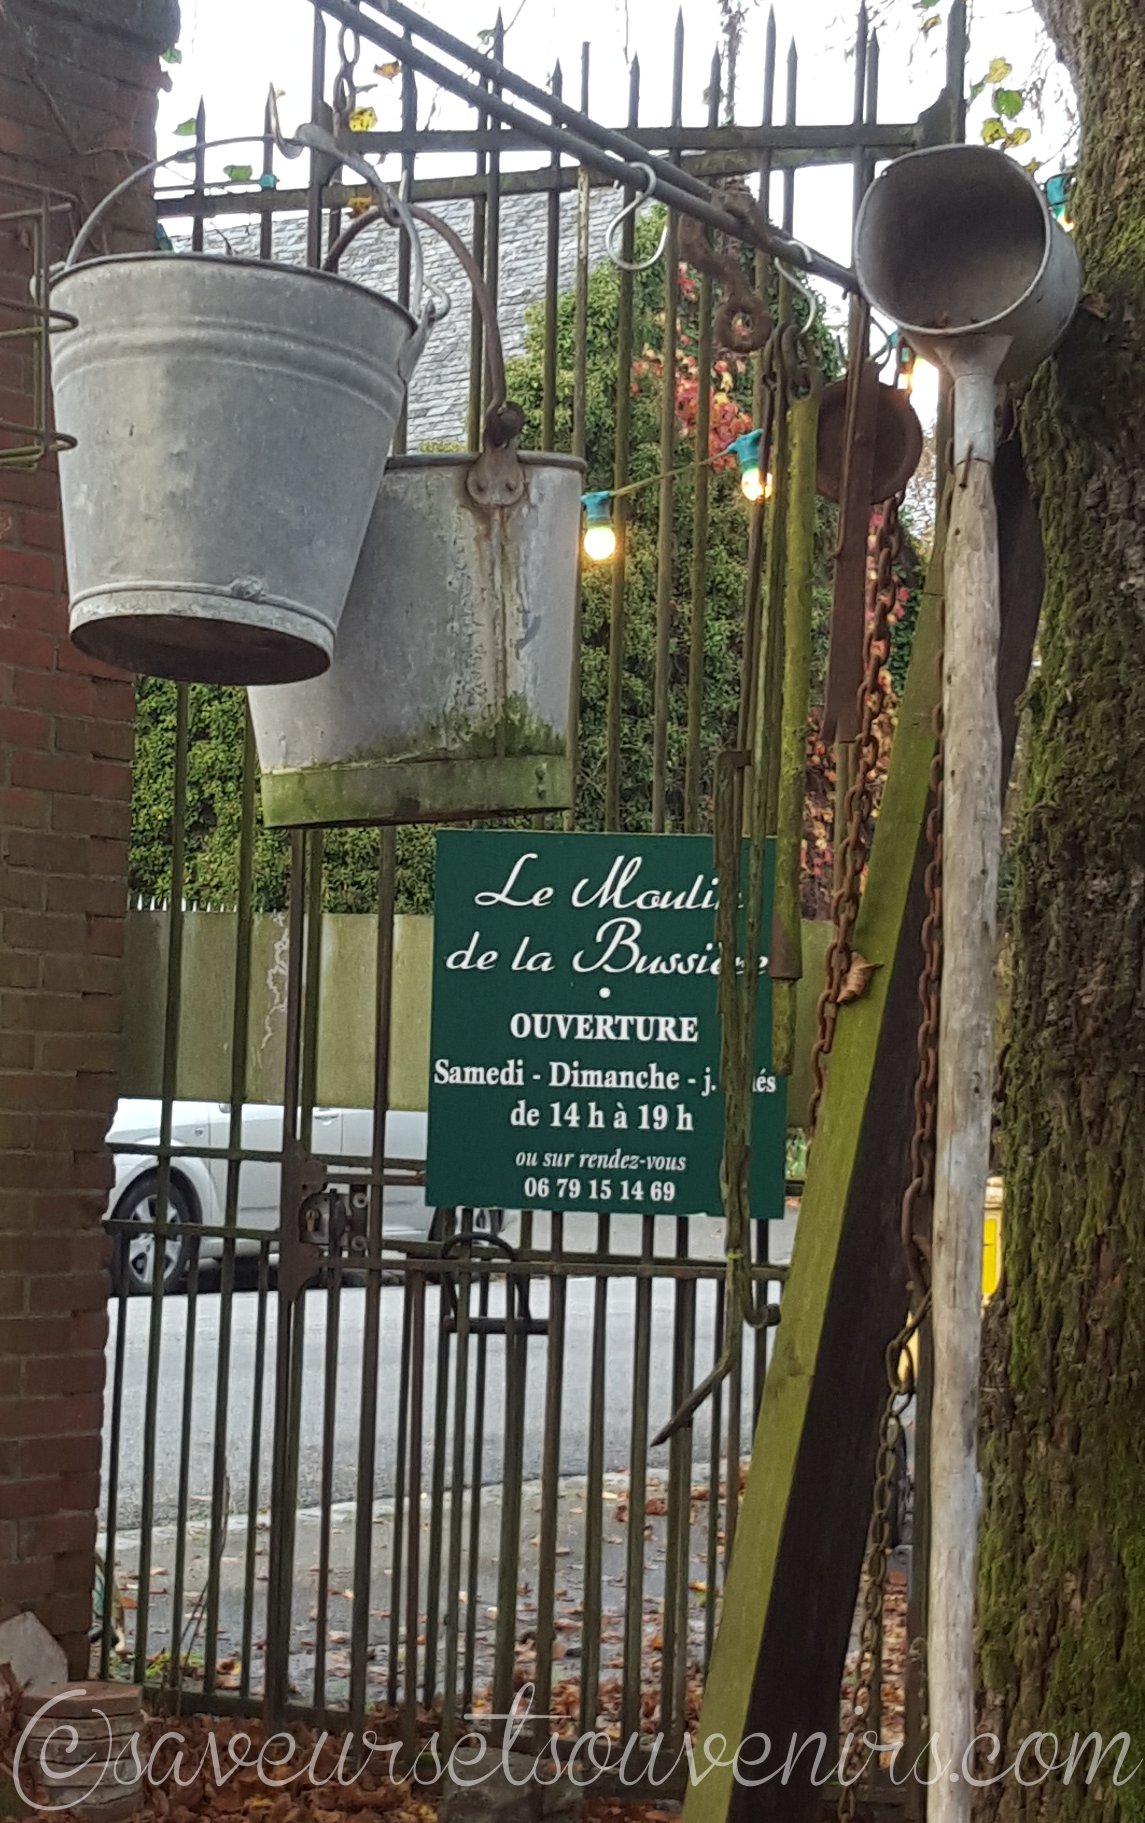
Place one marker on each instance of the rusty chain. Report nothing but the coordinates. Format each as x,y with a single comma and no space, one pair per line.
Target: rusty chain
920,1189
868,1665
742,323
860,796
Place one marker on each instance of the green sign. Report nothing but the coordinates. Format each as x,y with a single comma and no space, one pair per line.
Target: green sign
575,1044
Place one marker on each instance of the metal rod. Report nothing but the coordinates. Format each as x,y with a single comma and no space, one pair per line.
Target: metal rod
664,537
371,1337
552,288
576,136
171,1028
240,1025
633,1649
621,507
593,1497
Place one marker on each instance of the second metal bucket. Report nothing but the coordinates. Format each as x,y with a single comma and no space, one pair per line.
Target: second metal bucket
450,692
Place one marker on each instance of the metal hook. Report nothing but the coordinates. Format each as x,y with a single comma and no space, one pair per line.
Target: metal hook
619,220
800,284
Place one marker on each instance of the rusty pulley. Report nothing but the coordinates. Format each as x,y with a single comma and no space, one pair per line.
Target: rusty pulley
870,443
898,441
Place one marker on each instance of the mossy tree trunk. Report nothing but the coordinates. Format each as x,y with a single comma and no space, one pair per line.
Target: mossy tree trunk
1062,1596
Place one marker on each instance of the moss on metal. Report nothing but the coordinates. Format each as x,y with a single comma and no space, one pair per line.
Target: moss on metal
498,764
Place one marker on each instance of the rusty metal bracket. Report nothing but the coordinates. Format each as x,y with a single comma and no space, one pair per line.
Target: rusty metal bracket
305,1233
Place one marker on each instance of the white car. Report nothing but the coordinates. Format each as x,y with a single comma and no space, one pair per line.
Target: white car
198,1186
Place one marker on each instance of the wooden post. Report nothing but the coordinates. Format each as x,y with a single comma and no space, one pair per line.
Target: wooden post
972,834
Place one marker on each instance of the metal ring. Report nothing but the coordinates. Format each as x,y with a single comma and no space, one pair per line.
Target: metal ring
619,220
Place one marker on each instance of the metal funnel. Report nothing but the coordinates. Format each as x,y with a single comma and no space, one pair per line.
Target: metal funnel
958,247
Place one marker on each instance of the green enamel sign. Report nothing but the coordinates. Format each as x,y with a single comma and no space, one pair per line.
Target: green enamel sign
575,1046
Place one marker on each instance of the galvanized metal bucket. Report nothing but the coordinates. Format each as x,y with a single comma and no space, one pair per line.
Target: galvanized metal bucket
232,421
451,688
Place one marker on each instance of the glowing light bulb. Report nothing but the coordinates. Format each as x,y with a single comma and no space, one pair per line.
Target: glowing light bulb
599,543
748,452
599,531
755,485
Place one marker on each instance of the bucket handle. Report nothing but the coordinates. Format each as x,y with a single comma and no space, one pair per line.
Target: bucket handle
496,478
309,137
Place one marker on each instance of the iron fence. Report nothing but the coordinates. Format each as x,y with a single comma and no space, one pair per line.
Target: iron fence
344,1468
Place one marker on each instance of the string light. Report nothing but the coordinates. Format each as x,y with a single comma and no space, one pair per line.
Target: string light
599,531
748,452
599,541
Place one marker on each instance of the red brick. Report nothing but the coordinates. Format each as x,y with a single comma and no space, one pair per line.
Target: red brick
77,1291
38,1012
106,935
17,1051
23,644
27,809
36,488
59,1051
97,901
63,1092
19,968
103,740
53,1455
70,1373
82,975
65,772
20,888
107,857
42,531
48,930
94,816
13,1297
25,728
49,690
70,658
100,1012
21,1583
68,1617
56,1535
50,854
31,569
30,1499
51,1336
26,1416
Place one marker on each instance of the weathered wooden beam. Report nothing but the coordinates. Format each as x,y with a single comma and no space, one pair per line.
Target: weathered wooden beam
790,1597
791,1586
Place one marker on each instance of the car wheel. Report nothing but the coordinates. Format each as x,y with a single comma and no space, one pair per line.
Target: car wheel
134,1251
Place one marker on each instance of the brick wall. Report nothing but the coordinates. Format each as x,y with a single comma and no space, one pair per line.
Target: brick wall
78,85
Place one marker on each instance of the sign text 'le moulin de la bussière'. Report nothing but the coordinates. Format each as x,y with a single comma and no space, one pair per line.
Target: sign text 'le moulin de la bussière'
575,1049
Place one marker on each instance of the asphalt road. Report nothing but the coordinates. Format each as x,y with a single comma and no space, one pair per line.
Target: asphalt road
193,1364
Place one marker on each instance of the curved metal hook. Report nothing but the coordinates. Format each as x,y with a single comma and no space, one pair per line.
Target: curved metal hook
799,283
619,220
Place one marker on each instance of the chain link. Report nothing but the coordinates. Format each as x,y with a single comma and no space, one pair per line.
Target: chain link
920,1189
345,82
860,796
867,1690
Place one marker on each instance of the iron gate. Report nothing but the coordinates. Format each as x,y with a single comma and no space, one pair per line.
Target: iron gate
365,1471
